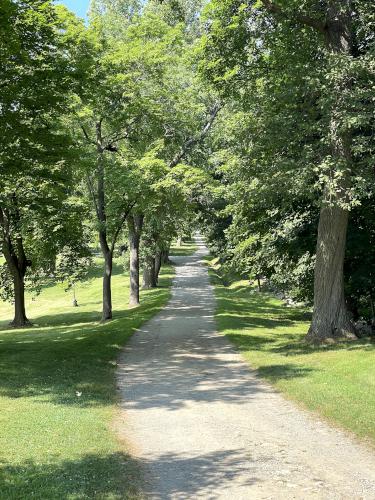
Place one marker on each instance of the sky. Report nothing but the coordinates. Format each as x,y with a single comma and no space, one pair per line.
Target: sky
80,7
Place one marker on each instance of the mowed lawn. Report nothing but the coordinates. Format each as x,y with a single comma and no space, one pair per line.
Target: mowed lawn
188,247
337,381
58,395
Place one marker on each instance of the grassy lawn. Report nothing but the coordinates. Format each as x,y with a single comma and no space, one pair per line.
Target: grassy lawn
187,248
336,381
58,396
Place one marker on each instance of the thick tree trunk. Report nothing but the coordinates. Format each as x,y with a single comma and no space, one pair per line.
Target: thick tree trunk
20,319
331,318
149,278
179,241
135,224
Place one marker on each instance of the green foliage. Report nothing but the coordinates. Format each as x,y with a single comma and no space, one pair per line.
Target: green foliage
38,203
273,145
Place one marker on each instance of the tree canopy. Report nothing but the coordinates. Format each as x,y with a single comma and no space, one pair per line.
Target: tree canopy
250,120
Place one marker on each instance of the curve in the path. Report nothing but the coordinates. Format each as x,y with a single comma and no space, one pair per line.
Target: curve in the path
204,426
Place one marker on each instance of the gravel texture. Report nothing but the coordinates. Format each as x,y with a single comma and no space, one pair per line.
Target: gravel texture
203,425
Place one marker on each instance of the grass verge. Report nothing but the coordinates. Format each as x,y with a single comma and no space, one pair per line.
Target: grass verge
337,381
58,395
187,248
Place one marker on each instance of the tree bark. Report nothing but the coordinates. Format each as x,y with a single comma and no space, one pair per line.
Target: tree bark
135,224
157,265
259,284
102,218
331,319
149,278
17,263
107,288
372,305
20,319
165,256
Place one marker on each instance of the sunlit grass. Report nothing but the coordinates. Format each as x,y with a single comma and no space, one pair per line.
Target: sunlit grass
337,381
187,248
58,395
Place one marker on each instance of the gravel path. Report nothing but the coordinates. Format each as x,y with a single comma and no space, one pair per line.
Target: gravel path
204,426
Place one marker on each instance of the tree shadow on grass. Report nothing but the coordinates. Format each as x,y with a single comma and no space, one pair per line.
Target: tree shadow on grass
243,321
115,476
300,348
273,373
54,362
263,311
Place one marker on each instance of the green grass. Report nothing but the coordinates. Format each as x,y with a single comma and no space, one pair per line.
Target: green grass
338,381
187,248
53,443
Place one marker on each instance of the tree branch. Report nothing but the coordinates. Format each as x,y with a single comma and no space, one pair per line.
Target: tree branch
111,139
86,135
121,224
195,140
298,16
91,190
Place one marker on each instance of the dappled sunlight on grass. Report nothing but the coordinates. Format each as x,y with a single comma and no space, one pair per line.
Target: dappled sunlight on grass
336,380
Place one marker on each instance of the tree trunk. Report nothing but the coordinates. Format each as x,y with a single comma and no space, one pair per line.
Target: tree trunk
165,257
179,241
17,262
157,266
372,308
331,318
135,224
102,218
20,319
149,278
259,284
107,289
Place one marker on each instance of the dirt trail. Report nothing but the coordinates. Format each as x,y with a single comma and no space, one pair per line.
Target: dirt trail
204,426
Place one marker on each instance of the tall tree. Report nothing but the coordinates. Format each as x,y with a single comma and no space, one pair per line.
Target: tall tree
36,153
119,113
239,43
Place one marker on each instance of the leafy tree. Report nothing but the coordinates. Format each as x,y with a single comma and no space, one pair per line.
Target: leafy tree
246,40
37,207
119,114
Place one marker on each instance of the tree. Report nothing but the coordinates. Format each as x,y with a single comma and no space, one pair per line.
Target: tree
37,214
238,46
119,113
135,225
